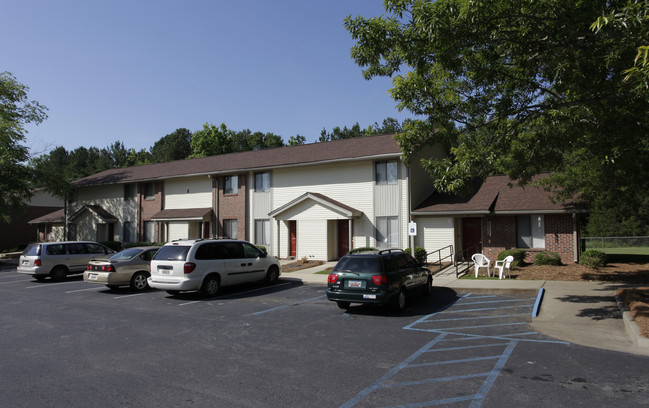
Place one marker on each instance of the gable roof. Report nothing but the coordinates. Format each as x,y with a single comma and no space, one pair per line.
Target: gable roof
321,199
339,150
97,211
496,196
183,214
51,218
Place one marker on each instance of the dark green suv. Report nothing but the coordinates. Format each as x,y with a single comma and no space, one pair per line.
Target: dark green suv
378,277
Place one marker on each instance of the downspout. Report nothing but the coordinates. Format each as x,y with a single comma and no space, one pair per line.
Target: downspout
409,184
575,238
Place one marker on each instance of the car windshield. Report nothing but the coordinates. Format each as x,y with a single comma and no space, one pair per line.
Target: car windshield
125,254
172,253
359,264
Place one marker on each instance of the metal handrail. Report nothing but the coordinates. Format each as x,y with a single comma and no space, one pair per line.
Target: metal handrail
439,256
465,259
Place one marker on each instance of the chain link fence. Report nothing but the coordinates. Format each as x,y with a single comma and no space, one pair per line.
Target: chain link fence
617,245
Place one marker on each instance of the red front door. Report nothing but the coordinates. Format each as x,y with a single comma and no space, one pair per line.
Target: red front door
471,236
343,237
293,233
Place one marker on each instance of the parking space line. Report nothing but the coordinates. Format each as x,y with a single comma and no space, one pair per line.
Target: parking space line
47,285
234,294
287,305
131,295
82,290
494,301
24,280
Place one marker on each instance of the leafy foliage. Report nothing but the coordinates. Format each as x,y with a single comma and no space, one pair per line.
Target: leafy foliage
420,254
547,258
15,112
174,146
593,258
521,88
517,253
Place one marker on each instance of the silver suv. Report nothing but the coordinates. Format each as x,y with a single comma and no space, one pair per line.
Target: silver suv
206,265
59,259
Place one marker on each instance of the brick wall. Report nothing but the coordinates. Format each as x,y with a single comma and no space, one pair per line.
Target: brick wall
232,206
499,234
148,208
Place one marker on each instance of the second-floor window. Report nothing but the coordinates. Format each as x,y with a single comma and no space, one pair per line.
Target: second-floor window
231,184
149,191
386,172
262,182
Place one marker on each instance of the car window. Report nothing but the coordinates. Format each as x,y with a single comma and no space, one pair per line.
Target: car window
95,249
359,264
210,250
75,249
32,250
233,250
148,255
412,262
251,251
391,263
172,253
55,249
403,261
125,254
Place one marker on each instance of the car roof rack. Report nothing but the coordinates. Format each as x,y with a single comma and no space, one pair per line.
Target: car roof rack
389,251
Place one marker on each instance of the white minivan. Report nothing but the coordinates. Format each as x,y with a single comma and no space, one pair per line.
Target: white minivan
59,259
206,265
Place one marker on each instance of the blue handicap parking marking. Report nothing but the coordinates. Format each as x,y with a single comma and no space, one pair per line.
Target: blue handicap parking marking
474,337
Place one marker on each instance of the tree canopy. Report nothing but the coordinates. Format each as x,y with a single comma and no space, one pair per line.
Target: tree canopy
15,112
521,88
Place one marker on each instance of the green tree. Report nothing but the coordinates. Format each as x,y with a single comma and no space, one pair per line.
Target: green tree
296,140
520,88
211,140
15,112
174,146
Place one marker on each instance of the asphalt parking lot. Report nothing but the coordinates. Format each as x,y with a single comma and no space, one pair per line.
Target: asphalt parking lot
75,344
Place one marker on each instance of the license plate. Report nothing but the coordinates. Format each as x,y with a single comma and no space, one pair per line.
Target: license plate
92,276
25,262
369,296
355,284
165,272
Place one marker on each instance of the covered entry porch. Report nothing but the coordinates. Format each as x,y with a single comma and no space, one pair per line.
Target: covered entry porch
315,227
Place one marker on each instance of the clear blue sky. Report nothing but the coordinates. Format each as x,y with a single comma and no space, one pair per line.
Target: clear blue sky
136,70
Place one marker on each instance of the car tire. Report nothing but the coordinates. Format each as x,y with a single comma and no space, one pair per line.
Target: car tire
272,275
112,287
428,290
343,305
173,292
59,273
400,304
210,286
139,281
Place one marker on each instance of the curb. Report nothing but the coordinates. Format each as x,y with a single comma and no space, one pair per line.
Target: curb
630,327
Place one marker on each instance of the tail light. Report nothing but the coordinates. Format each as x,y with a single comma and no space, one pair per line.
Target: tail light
108,268
189,267
380,279
332,278
37,262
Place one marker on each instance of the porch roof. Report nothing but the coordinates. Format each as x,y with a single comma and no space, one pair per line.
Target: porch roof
322,199
496,195
96,211
183,214
51,218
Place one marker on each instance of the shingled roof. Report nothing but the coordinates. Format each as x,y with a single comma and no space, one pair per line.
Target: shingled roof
495,195
339,150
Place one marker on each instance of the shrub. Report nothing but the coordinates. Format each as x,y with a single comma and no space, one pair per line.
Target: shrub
363,249
420,254
593,258
141,243
547,258
517,253
114,245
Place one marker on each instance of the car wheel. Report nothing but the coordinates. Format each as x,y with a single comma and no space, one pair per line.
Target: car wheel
210,286
59,273
112,287
428,290
343,305
272,275
400,305
173,292
138,281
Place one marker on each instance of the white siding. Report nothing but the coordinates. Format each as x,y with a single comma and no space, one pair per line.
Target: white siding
178,230
193,192
434,232
312,236
111,199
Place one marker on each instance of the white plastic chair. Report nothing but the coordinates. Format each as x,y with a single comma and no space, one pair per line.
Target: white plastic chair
480,261
502,265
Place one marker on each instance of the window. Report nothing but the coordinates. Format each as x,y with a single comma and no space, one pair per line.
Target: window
387,232
231,185
128,192
386,172
149,231
530,231
128,231
230,229
262,232
262,182
149,191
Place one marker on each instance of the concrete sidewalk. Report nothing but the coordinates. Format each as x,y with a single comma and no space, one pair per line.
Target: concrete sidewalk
584,313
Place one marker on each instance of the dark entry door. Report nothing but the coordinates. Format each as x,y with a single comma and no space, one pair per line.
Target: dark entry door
293,233
343,237
471,236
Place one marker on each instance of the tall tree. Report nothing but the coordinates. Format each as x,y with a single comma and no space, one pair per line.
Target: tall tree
211,140
174,146
519,87
15,112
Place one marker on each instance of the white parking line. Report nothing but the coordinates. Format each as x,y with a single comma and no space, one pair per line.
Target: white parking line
82,290
125,296
24,280
47,285
235,294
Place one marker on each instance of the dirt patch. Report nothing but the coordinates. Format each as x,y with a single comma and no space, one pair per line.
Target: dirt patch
635,299
299,265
